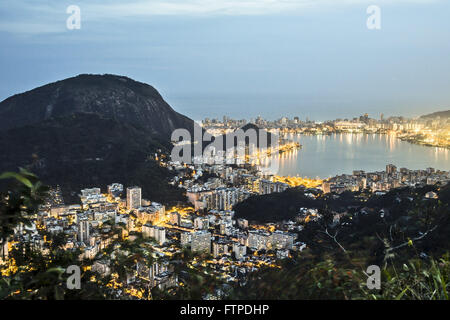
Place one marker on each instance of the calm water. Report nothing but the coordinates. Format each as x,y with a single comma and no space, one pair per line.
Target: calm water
325,156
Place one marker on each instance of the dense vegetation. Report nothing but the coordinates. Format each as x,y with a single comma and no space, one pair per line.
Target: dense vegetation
285,205
83,151
409,242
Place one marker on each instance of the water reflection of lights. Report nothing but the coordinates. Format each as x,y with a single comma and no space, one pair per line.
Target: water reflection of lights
349,138
372,150
438,152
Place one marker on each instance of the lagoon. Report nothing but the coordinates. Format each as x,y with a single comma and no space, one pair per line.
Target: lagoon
325,156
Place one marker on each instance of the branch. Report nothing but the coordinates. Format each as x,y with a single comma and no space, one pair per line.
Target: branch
414,239
334,238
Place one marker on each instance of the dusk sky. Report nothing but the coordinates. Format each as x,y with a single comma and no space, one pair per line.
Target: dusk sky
273,58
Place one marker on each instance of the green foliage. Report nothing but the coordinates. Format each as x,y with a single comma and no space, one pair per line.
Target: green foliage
306,278
409,243
417,280
30,274
195,280
20,204
328,279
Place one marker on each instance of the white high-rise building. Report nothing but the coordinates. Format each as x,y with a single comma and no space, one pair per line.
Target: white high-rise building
155,232
185,239
134,198
160,235
201,241
239,250
83,230
282,240
201,223
258,239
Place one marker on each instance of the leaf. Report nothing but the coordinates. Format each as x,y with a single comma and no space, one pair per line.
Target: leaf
57,270
25,172
400,295
18,177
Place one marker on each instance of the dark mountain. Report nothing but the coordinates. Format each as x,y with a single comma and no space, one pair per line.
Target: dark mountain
112,97
441,114
91,130
249,129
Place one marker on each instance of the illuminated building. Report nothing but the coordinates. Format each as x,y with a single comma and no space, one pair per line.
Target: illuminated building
175,218
157,274
225,198
239,250
115,189
91,196
134,198
282,240
221,247
326,187
83,230
282,254
201,241
258,239
267,187
201,223
151,213
155,232
102,267
391,169
242,223
185,239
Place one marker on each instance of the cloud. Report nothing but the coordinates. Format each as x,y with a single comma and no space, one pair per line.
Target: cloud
34,17
203,7
222,7
30,18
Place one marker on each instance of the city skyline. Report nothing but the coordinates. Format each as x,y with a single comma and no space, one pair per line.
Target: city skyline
291,115
380,116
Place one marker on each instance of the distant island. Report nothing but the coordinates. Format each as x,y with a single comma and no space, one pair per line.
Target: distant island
439,114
